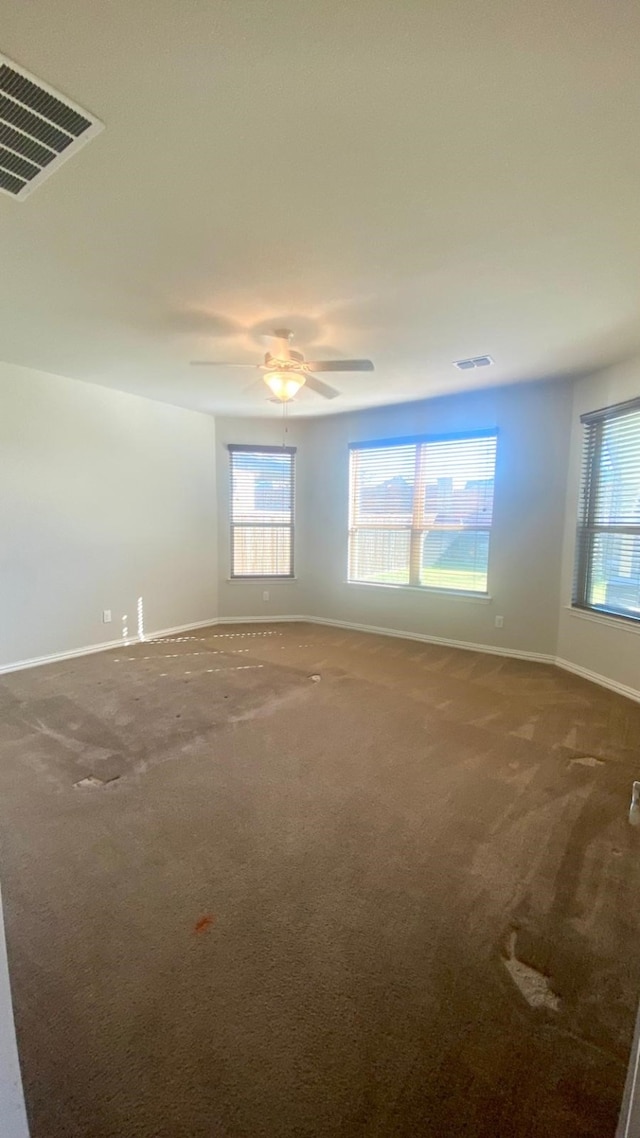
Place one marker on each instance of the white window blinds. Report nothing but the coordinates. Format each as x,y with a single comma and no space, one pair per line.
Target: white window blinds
262,497
421,511
607,575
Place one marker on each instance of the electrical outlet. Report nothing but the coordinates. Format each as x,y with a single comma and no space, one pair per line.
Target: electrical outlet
265,595
106,616
499,622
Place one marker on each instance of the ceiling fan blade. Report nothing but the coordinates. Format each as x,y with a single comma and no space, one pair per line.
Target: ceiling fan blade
321,388
218,363
340,365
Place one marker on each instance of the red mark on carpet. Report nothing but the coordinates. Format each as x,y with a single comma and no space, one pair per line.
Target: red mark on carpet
203,924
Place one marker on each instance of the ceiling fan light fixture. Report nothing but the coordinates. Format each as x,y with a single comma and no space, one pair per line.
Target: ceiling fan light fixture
284,385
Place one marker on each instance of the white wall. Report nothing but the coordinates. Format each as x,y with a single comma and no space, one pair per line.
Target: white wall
244,598
104,498
524,567
599,645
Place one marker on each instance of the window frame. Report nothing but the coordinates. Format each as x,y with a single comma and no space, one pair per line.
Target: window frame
247,448
418,527
588,529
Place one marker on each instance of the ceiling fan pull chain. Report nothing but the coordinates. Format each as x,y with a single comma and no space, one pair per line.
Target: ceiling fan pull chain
285,428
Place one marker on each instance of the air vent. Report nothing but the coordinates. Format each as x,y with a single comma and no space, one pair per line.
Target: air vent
473,361
39,130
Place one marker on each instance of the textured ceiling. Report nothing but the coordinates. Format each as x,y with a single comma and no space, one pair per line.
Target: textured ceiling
415,182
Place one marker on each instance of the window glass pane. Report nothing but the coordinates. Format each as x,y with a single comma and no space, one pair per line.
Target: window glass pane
617,499
261,512
615,573
261,551
382,486
380,555
607,570
455,559
261,487
459,478
432,502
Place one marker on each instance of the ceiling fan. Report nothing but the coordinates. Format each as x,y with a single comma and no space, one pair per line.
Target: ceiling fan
285,370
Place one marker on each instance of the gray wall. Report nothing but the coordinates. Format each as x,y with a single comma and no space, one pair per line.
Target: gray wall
105,498
600,645
533,423
524,568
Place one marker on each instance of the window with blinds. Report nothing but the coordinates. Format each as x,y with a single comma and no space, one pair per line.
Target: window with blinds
262,497
421,511
607,577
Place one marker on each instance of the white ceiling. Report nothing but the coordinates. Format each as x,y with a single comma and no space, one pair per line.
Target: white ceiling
415,182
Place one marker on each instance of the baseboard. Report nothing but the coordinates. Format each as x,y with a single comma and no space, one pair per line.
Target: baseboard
178,628
104,646
596,678
464,645
264,619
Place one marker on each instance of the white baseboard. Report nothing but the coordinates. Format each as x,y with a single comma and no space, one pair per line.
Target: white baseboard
264,619
178,628
104,646
425,638
596,678
464,645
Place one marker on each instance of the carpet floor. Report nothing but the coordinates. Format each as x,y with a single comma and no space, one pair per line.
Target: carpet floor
288,880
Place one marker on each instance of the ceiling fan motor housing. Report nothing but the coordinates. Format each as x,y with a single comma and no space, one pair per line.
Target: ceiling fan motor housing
295,361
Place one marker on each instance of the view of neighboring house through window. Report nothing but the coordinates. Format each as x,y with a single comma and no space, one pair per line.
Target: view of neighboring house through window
262,496
421,511
607,577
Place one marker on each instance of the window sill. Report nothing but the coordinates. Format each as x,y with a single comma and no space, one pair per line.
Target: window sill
425,590
622,623
261,580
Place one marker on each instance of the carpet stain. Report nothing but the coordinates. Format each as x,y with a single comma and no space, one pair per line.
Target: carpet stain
203,924
586,761
533,985
92,782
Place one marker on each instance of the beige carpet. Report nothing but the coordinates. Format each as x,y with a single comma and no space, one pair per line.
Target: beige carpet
399,899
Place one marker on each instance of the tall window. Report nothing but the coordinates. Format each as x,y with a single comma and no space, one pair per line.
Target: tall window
421,511
607,575
262,495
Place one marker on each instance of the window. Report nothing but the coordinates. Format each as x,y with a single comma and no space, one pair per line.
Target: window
607,575
421,511
262,493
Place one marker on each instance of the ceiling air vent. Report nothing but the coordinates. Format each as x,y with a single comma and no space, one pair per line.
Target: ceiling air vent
473,361
39,130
